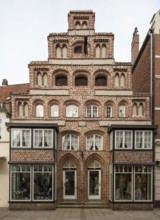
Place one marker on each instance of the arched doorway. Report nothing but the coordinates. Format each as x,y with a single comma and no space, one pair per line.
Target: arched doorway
94,180
69,180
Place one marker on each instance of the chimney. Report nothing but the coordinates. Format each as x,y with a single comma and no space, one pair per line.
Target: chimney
5,82
135,45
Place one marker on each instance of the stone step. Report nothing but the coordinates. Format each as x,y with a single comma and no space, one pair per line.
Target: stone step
89,204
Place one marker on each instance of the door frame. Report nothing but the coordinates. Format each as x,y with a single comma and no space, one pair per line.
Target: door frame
94,197
75,188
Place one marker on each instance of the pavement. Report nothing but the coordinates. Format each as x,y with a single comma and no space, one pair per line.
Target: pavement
79,214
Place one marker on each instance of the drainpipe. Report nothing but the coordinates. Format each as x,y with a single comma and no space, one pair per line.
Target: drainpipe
151,73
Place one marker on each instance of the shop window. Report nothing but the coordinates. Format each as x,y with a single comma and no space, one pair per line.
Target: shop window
43,181
43,138
61,80
123,139
81,81
71,111
92,111
20,182
101,81
108,111
94,142
39,110
23,189
70,142
143,140
20,138
54,110
133,183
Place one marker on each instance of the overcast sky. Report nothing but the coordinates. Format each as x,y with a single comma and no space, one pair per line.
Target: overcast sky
25,25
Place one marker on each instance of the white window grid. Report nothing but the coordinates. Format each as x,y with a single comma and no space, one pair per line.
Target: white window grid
20,138
108,111
70,142
92,111
94,142
143,139
43,138
71,111
123,139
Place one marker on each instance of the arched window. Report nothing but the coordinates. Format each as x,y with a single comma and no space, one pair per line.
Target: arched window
122,80
103,51
98,51
58,51
84,25
94,164
140,109
71,111
25,109
78,49
54,110
61,80
64,52
100,80
44,79
20,109
135,109
122,111
108,111
70,142
81,81
94,142
92,111
77,25
116,80
39,110
39,79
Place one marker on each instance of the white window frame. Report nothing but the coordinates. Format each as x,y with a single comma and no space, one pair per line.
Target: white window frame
68,145
54,110
108,111
92,111
39,110
21,140
124,139
93,138
144,143
122,111
71,111
42,139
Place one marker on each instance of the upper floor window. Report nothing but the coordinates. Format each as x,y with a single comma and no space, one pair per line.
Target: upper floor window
123,139
61,80
71,111
108,111
54,110
122,111
39,110
94,142
70,142
92,111
100,80
20,137
0,128
81,81
143,140
43,138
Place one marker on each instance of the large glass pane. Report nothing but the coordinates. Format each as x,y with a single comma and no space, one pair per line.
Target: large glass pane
43,182
93,183
69,183
20,182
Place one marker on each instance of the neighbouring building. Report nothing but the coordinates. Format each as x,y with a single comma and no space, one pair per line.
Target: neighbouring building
146,79
5,92
82,133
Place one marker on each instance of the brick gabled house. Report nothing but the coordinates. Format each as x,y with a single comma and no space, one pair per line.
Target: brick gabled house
146,79
80,135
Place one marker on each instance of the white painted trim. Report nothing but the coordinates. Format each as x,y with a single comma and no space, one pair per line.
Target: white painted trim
113,92
157,56
109,123
49,92
157,108
82,61
157,76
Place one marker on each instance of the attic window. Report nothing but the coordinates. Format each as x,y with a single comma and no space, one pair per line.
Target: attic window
78,49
